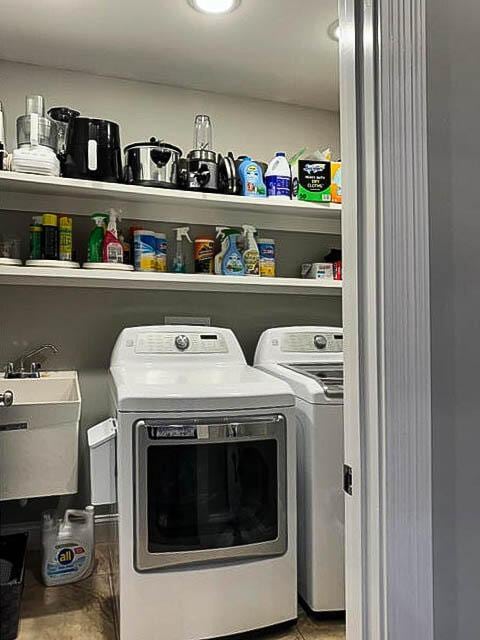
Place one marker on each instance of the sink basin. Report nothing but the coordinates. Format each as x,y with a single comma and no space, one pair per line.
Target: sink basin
39,436
54,386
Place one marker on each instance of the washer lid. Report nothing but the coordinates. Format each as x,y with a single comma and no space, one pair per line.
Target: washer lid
328,376
196,387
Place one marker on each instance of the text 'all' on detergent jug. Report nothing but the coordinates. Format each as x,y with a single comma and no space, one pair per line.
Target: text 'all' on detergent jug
68,546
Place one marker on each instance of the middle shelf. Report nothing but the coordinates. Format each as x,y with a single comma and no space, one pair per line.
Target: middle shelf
39,194
55,277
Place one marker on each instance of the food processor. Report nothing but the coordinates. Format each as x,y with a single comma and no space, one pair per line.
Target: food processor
37,138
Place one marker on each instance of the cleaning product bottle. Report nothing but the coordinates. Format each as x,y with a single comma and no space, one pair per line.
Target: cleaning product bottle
65,238
179,262
36,230
50,236
251,255
221,238
278,177
251,176
112,247
68,546
232,262
95,241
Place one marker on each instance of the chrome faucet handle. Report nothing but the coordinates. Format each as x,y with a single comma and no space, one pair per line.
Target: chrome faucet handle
35,369
9,370
6,399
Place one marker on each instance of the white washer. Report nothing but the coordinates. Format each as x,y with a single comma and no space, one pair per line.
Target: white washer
310,359
206,486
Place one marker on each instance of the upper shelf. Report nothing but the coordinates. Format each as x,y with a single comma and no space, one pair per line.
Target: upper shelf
34,193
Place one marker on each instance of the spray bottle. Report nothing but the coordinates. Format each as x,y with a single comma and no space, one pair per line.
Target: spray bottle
223,241
232,263
112,247
251,254
179,262
95,241
68,546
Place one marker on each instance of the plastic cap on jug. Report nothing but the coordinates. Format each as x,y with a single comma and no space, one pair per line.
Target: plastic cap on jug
280,154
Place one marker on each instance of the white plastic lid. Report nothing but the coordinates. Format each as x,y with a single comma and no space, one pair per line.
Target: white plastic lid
144,232
101,433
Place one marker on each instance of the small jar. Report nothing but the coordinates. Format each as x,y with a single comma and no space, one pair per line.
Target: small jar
204,253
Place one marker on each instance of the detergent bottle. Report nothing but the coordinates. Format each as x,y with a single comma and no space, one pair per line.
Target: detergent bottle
232,262
68,546
179,261
251,176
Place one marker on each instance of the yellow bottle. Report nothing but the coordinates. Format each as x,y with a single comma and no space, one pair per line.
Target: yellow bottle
65,238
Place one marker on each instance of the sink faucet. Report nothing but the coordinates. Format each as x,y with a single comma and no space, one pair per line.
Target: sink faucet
17,369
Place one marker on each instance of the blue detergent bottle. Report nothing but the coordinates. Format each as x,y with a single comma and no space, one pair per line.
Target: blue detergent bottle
251,176
232,263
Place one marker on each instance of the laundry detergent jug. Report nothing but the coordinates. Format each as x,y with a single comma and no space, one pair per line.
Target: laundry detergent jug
68,546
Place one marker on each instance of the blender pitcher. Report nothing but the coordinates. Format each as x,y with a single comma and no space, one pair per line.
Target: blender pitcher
202,133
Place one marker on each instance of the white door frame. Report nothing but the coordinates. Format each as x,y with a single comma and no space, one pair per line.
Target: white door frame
386,320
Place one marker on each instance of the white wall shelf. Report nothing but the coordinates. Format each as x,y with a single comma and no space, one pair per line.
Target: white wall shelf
36,194
61,277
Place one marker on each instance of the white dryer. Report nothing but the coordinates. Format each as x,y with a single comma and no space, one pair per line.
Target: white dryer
310,359
206,486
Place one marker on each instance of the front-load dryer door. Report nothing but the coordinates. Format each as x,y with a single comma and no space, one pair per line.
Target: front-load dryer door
209,490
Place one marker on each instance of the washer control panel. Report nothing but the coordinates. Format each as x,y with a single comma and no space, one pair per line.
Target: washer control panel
171,343
310,342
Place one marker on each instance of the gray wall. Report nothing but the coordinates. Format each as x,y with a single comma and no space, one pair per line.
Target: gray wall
241,125
454,157
84,323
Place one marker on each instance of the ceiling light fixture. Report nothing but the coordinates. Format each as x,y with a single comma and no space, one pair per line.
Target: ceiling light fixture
334,31
214,6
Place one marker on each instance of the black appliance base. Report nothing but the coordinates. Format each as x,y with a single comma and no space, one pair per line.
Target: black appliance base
322,615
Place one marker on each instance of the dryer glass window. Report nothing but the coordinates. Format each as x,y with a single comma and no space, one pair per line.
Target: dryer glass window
212,495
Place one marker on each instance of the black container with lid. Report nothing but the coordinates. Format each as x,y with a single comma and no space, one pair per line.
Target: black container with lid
50,236
93,150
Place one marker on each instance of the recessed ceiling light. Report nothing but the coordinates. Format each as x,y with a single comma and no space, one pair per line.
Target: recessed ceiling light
215,6
334,31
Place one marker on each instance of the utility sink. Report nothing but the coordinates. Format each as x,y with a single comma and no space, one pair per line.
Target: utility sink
39,436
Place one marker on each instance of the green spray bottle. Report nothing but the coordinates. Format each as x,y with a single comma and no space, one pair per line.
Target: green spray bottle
95,240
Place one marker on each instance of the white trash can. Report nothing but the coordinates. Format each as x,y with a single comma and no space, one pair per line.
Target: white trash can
103,462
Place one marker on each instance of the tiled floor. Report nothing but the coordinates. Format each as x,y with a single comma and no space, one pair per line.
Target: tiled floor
84,611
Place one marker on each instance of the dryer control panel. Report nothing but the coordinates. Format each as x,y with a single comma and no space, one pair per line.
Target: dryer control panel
155,342
311,342
185,344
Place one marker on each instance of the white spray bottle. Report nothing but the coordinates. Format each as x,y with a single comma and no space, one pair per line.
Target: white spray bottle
251,254
68,546
179,262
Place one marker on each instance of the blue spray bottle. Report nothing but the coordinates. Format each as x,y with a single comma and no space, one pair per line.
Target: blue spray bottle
232,263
